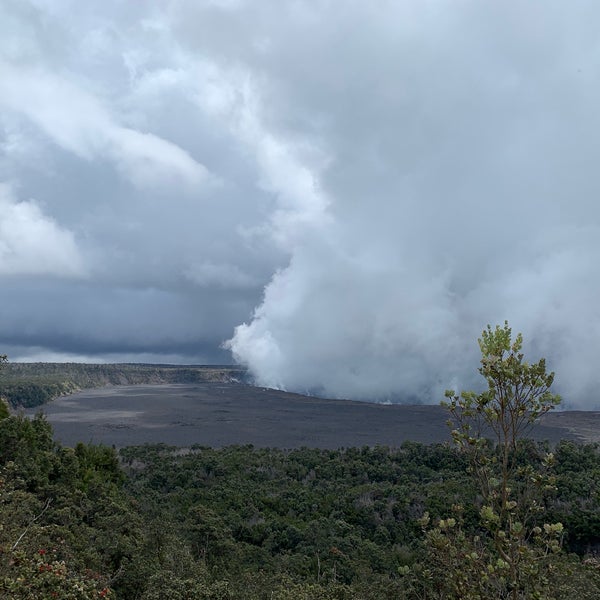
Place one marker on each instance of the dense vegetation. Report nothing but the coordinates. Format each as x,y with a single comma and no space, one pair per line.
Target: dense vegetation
499,518
241,522
33,384
345,520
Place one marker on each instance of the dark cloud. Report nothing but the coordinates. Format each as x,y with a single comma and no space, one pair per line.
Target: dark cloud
363,188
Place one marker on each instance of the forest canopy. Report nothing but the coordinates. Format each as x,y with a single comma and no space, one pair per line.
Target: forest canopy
503,517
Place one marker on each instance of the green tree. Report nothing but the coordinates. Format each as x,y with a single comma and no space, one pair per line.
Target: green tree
511,556
517,394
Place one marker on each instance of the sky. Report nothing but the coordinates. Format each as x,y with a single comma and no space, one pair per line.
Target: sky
339,196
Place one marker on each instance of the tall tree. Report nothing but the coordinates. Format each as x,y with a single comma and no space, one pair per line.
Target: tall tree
511,557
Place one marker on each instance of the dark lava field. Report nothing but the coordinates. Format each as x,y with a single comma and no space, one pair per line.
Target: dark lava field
222,414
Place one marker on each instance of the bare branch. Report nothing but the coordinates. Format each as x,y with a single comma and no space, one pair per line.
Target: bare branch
46,507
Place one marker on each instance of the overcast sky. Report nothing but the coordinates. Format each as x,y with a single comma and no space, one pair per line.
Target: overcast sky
346,191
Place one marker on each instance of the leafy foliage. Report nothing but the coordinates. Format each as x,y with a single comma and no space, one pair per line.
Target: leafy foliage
244,523
45,538
512,555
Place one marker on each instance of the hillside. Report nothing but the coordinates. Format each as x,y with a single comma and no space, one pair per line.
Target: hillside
33,384
516,519
243,523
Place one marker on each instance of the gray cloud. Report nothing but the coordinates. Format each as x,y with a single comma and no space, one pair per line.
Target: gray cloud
32,243
358,191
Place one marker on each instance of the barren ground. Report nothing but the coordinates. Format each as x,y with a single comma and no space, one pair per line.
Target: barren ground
217,414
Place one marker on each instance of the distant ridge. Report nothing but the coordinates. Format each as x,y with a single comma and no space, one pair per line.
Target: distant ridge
33,384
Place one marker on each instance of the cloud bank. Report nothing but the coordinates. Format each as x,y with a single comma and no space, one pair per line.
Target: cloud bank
348,197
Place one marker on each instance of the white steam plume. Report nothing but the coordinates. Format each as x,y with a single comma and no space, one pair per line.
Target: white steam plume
464,191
